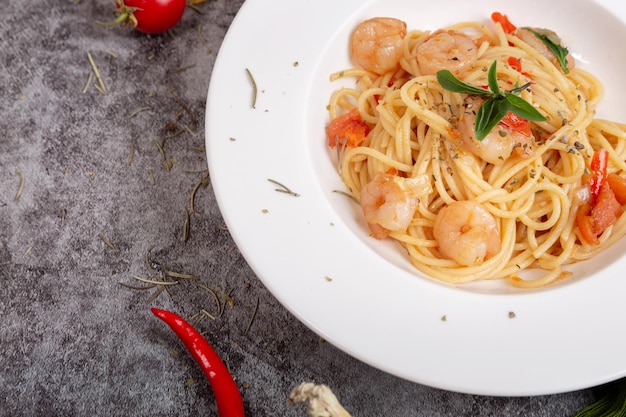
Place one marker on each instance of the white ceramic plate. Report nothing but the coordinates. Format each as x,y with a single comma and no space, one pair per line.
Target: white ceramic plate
312,251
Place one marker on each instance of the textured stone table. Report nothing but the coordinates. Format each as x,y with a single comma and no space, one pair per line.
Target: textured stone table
95,188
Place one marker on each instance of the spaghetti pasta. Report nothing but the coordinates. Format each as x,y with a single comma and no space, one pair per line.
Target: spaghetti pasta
530,183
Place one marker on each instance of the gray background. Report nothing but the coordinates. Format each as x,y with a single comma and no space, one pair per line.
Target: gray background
73,340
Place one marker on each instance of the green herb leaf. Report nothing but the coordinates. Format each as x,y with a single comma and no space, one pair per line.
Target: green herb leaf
553,43
497,103
492,78
611,402
524,109
449,82
489,115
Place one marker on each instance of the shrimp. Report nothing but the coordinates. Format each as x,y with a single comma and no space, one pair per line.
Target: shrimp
376,44
511,136
531,39
389,202
446,49
466,233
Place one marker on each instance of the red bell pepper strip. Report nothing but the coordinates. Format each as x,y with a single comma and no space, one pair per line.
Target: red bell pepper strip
503,19
516,64
227,395
516,123
606,199
599,163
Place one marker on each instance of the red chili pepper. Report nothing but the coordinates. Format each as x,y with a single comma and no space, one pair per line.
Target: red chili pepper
227,395
599,163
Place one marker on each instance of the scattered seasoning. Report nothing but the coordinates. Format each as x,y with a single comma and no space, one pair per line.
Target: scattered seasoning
186,226
444,318
188,129
151,177
139,110
345,194
207,314
254,88
173,135
149,281
131,154
220,307
174,274
228,299
20,189
184,106
106,241
100,87
146,261
155,294
168,165
112,54
252,317
328,279
296,63
137,287
511,314
265,211
161,151
63,214
88,83
204,182
182,69
202,38
27,251
283,188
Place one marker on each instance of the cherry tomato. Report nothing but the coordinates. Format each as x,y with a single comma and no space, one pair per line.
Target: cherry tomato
151,16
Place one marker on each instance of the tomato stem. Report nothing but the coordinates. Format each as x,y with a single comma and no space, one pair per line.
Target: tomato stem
120,20
125,16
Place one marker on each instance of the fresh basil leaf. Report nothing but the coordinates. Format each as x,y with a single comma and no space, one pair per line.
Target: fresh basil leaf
492,78
489,115
449,82
551,41
524,109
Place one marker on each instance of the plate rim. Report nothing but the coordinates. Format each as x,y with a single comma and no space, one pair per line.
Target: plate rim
217,141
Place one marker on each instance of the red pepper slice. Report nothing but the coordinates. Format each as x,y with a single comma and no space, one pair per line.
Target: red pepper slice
599,163
227,395
503,19
516,123
516,64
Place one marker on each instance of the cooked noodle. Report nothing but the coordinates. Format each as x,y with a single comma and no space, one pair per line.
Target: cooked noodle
413,121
